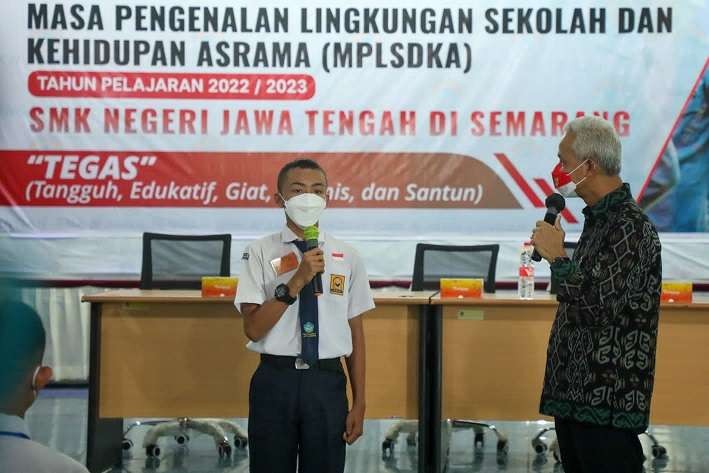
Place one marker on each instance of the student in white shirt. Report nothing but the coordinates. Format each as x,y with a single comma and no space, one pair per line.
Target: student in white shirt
22,342
298,412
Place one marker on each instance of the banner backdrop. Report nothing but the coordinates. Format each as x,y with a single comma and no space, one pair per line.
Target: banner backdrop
435,121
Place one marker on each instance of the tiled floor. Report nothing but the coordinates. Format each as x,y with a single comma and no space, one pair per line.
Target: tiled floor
58,419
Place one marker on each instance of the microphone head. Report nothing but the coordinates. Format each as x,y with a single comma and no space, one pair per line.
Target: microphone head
312,232
555,201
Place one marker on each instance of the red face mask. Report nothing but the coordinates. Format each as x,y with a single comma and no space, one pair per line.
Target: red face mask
563,181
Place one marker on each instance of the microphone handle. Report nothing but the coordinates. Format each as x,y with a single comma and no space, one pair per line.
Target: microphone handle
550,218
536,256
317,280
317,284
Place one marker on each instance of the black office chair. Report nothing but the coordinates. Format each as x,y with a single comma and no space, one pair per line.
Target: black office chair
539,444
179,262
570,247
431,263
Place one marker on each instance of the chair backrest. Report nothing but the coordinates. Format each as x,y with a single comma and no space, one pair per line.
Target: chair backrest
180,261
570,247
433,262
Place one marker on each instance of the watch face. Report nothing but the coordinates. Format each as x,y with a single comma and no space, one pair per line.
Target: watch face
281,290
283,293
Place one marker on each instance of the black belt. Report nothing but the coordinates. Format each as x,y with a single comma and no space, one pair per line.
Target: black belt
293,362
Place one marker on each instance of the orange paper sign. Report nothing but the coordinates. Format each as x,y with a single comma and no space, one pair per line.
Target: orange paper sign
677,291
461,287
216,286
285,264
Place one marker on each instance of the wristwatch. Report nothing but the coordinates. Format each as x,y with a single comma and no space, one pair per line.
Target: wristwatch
283,294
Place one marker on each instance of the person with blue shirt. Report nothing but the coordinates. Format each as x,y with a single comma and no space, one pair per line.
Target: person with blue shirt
677,196
22,343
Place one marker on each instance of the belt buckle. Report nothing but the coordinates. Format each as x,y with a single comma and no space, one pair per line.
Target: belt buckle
301,365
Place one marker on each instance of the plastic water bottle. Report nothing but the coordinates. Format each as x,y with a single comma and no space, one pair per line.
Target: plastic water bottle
525,283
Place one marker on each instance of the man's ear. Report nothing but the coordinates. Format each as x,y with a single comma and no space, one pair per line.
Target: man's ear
279,200
44,376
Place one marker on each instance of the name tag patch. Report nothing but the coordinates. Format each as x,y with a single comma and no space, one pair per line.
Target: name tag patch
337,284
285,264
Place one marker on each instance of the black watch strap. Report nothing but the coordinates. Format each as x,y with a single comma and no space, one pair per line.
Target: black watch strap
283,294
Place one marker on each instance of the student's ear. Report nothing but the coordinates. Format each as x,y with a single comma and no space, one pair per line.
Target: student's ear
279,200
44,376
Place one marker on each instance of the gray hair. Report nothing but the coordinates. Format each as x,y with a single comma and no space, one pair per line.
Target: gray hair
596,140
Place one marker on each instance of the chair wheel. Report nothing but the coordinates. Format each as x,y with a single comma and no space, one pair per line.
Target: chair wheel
241,442
538,462
503,447
224,450
479,441
387,448
152,451
182,439
541,448
658,451
411,441
126,444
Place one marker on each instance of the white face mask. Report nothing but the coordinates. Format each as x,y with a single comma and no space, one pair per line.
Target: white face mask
305,209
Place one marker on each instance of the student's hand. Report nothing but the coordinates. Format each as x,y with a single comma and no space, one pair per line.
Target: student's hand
354,425
313,262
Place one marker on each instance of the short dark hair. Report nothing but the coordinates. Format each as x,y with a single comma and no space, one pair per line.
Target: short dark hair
297,164
22,343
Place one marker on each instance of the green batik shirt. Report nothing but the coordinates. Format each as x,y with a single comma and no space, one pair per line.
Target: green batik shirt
600,365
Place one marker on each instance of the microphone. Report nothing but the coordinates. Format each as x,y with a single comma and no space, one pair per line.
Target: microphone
555,204
311,235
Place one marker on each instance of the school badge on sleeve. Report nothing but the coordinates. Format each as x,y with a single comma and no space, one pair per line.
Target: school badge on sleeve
337,284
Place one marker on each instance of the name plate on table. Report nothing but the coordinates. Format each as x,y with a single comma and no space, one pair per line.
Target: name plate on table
460,288
218,286
676,291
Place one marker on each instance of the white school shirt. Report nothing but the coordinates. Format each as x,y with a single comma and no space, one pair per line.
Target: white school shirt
20,455
346,294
